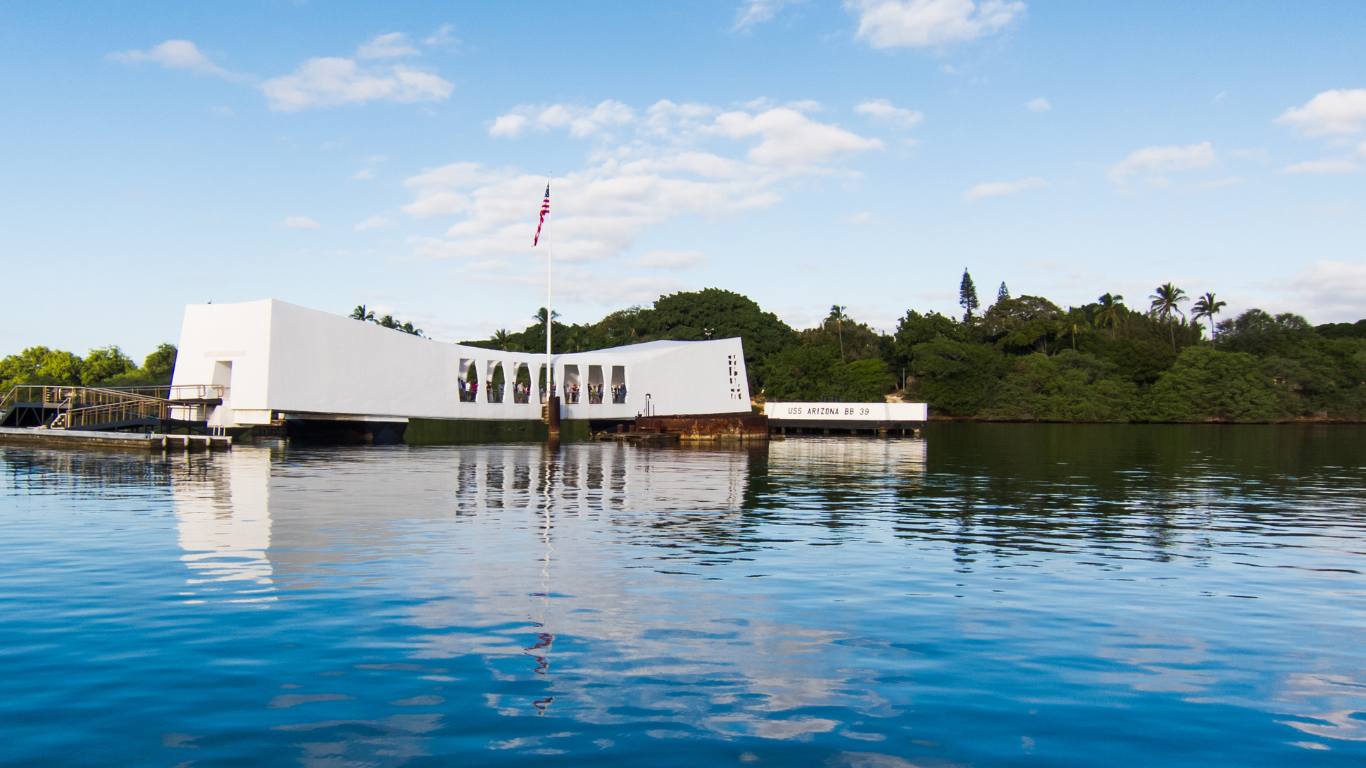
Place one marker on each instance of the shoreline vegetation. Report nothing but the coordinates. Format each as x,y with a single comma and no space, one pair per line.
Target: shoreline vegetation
1021,359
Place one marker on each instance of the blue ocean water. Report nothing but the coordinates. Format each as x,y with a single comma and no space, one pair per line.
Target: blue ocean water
990,595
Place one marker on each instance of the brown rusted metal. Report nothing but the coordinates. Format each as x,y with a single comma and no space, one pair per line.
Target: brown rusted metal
707,426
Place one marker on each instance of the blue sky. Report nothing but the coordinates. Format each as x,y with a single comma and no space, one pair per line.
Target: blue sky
803,153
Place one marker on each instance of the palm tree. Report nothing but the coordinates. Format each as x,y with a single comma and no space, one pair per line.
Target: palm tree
1165,302
1110,306
1073,324
837,312
361,313
500,337
1207,307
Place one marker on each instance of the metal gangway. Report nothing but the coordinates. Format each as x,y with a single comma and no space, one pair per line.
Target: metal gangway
109,408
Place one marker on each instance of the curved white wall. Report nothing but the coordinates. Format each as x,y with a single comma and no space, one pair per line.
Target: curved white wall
286,358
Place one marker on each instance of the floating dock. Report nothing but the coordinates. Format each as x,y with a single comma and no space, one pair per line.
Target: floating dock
71,438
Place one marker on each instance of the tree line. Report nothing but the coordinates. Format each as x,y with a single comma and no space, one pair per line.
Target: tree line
103,367
1021,359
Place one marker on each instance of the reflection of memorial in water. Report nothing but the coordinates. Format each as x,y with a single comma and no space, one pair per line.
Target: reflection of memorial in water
223,525
505,554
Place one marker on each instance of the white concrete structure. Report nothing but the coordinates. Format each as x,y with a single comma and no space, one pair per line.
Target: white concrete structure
278,358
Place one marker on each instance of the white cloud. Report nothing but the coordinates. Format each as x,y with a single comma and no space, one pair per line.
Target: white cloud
753,12
1039,105
391,46
324,82
442,36
1331,165
1335,290
374,222
679,162
920,23
174,54
866,217
1002,188
582,121
882,109
790,138
673,259
363,174
299,222
1159,160
1329,113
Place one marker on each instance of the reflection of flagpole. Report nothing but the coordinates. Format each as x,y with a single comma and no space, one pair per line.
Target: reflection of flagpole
540,651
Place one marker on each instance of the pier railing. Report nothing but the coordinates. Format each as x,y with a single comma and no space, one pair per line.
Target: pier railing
90,406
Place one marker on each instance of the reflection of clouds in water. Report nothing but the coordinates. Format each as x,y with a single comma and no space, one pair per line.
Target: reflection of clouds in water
391,740
1336,701
223,522
1169,664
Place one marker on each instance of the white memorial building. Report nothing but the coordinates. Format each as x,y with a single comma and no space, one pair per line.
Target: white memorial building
281,361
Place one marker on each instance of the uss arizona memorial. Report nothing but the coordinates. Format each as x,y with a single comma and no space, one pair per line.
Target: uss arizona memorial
276,360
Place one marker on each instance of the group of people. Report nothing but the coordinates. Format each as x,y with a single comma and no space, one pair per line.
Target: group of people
521,392
469,392
595,393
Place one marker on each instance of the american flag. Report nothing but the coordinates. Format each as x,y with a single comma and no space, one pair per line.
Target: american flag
545,208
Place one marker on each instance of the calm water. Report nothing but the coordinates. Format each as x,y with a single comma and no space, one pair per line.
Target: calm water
992,595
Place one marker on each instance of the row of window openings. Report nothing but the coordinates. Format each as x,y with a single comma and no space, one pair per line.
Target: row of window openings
497,387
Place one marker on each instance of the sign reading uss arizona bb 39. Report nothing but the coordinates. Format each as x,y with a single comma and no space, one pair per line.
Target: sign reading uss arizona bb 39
846,412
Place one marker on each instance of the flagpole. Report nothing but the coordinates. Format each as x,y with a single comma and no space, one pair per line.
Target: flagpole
552,402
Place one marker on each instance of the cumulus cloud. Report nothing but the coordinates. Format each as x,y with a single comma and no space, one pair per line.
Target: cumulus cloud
374,222
174,54
680,161
920,23
1038,105
789,138
325,82
391,46
299,222
882,109
673,259
1331,113
1158,160
581,121
1002,188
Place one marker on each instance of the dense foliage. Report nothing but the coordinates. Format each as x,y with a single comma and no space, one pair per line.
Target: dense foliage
104,367
1023,358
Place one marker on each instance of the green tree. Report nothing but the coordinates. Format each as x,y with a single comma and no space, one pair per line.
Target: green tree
1207,307
837,314
1003,292
1165,303
1206,384
104,364
1111,312
957,377
160,365
1073,324
967,297
361,313
686,316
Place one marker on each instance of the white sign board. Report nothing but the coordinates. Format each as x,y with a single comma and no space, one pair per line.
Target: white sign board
780,412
